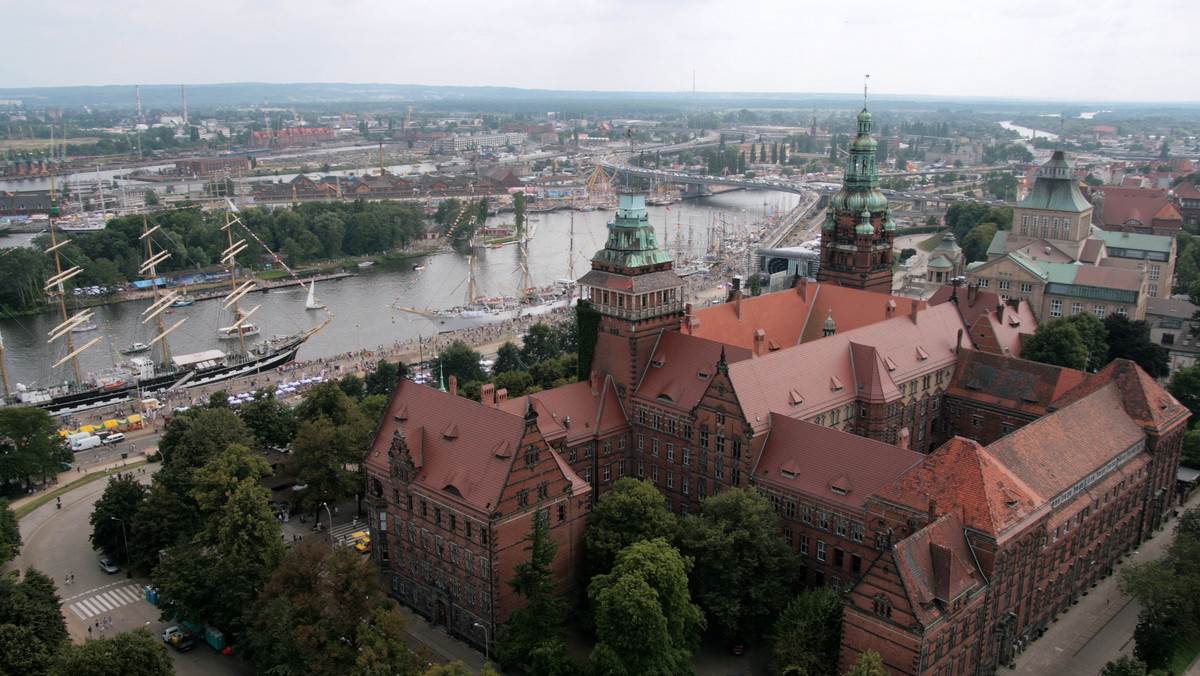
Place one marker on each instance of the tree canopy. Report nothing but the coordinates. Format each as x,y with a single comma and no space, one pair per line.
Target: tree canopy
631,511
10,533
29,444
646,622
808,634
113,514
744,572
539,622
32,627
136,653
1056,342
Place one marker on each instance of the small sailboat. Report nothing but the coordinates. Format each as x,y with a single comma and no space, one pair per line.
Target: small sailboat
311,303
366,264
86,326
184,302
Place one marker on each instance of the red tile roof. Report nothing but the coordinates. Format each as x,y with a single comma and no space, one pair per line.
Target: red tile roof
960,476
681,369
792,316
936,564
1052,453
1009,382
1145,206
995,327
1187,191
464,468
592,414
807,459
1105,277
1147,402
813,370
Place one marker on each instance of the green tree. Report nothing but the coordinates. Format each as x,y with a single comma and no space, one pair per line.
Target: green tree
163,521
1131,340
271,421
136,653
646,622
315,612
197,435
539,621
319,460
808,634
1190,457
32,626
151,198
1056,342
1169,595
632,511
29,445
112,515
977,241
353,386
744,571
1185,386
1125,665
1095,338
540,344
867,664
383,379
508,358
10,533
458,360
518,200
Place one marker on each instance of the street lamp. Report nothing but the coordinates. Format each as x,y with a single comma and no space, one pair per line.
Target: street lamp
487,655
125,539
330,515
358,340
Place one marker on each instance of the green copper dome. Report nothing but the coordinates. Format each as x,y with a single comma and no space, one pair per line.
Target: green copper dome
631,241
829,223
865,227
888,223
860,187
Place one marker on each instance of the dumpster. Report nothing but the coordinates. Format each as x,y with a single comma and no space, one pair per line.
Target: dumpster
214,638
124,456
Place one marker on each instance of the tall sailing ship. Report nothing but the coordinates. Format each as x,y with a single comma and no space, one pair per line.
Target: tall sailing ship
142,376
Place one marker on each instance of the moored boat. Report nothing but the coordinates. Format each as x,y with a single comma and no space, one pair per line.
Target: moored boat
134,348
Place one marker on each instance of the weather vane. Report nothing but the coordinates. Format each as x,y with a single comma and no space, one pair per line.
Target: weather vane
865,78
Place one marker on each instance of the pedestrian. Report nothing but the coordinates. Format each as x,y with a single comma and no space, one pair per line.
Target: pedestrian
66,580
72,577
89,631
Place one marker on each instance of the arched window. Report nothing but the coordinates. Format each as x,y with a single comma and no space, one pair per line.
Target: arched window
881,605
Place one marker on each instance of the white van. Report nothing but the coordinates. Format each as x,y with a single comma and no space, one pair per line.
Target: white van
84,443
114,439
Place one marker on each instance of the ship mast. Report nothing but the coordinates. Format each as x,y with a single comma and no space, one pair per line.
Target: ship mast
159,304
229,257
56,282
3,370
571,251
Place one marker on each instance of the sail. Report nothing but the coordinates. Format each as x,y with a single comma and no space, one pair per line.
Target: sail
311,302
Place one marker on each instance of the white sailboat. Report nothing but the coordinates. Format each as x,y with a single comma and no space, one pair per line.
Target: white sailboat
311,303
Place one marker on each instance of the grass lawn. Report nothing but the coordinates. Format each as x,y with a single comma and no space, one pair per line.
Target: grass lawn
82,479
932,242
1184,656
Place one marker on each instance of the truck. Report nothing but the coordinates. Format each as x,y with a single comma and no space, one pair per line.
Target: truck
82,441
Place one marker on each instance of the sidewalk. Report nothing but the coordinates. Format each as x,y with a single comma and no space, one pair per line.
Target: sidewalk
1100,627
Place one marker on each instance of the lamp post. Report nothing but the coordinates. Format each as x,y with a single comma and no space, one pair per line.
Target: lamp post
330,515
123,537
487,654
358,340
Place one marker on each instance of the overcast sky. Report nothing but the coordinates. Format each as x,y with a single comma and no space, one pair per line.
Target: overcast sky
1106,50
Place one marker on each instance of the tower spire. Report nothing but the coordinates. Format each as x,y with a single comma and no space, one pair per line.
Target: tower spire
865,78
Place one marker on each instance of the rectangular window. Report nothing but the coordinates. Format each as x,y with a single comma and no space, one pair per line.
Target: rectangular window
1026,288
654,473
804,545
841,526
641,469
977,421
855,564
703,439
983,283
1154,271
820,551
1055,308
1098,311
670,452
574,455
823,520
670,479
641,441
1076,308
720,444
686,484
687,457
620,468
1003,286
1153,291
607,473
839,557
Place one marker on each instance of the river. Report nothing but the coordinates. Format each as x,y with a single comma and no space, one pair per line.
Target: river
361,303
1028,133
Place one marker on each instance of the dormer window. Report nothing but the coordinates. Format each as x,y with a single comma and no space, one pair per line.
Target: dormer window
795,398
835,384
891,365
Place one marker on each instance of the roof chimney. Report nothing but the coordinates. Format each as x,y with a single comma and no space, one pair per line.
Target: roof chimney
487,394
594,379
972,294
958,343
737,303
913,314
501,396
802,288
932,509
453,385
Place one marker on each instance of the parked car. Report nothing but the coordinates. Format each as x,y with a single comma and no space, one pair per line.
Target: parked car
169,632
114,439
108,566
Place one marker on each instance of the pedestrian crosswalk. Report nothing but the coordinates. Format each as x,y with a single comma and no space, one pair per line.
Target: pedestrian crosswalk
106,601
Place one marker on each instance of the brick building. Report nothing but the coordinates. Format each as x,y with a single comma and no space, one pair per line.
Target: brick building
961,498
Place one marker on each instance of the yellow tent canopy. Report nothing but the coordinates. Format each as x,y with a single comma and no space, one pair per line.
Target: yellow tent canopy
109,424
